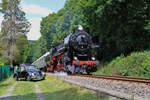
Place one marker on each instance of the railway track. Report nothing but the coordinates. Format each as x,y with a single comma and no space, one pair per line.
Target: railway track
116,86
118,78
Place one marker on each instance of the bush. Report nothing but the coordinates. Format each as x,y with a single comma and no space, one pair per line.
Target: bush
137,64
1,61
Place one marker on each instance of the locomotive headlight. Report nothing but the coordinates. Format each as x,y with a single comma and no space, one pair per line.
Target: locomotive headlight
93,58
75,58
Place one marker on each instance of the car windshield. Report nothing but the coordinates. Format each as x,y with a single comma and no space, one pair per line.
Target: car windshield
30,67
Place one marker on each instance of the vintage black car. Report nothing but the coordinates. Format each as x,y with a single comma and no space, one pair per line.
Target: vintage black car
29,72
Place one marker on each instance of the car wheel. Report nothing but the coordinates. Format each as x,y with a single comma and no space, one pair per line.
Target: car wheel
28,78
16,77
43,78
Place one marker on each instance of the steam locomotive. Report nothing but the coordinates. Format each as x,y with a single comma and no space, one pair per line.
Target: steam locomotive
74,54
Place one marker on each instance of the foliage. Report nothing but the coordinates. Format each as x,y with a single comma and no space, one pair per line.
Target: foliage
35,50
22,45
56,26
120,25
1,61
137,64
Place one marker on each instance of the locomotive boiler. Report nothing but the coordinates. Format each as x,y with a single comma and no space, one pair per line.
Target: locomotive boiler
74,54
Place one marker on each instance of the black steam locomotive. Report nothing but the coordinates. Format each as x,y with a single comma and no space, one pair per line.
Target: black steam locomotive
74,54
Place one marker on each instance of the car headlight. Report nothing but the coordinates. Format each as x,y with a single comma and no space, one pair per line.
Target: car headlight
93,58
43,73
75,58
32,74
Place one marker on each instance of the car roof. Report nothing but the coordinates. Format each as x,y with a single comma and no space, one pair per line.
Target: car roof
25,65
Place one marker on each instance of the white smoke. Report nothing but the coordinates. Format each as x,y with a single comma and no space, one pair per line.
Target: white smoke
60,74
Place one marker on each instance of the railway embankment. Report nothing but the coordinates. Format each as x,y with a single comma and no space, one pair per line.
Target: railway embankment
123,89
137,64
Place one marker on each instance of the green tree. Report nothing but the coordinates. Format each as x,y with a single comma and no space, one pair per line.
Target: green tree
22,45
120,25
13,25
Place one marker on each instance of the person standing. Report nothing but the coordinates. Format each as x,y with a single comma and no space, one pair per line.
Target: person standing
16,69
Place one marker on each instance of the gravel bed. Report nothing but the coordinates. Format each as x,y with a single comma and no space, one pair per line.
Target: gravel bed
119,89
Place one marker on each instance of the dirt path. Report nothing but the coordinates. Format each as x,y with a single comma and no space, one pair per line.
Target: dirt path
8,95
40,96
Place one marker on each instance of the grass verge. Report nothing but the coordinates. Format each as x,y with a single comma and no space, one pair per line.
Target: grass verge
52,88
137,64
25,89
5,85
55,89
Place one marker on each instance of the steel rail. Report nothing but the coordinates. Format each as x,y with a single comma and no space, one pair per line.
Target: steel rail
118,78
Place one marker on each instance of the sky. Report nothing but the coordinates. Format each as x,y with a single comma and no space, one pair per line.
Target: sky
35,10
